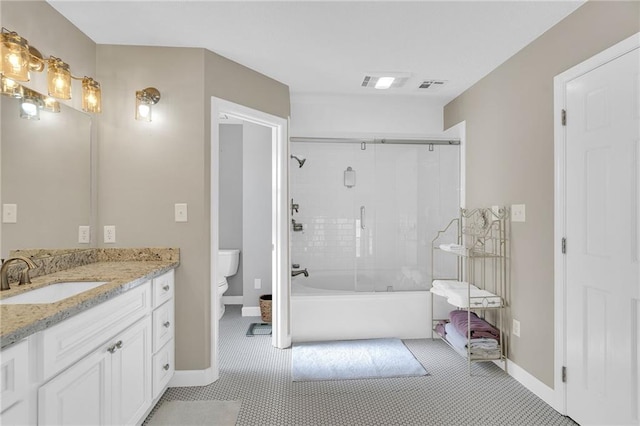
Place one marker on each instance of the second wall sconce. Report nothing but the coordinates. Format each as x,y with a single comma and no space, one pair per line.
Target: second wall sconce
145,99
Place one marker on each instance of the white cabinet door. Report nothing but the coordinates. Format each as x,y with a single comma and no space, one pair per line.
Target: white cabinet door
131,388
78,396
110,386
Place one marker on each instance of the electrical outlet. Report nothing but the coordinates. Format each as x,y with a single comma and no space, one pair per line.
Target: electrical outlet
257,283
109,234
517,213
84,234
515,330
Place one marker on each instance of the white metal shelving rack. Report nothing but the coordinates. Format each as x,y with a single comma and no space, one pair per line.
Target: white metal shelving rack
481,248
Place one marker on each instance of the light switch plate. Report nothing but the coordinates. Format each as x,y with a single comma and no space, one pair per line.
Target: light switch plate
9,213
257,283
181,212
84,234
109,234
517,213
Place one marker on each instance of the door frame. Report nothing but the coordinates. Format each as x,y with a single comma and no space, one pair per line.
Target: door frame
560,219
280,276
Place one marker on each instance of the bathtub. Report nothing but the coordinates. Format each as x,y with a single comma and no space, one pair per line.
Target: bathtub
325,307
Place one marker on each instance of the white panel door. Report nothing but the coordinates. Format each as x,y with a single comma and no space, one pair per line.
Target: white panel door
602,281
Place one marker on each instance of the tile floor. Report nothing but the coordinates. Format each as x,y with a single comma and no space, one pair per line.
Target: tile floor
252,371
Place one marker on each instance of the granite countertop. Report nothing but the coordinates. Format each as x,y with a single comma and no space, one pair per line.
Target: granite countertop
20,321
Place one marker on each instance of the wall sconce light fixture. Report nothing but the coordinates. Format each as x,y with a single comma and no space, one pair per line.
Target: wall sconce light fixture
30,105
59,79
10,87
91,95
17,58
145,99
50,104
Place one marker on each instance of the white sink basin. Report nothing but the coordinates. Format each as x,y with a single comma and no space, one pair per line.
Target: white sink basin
52,293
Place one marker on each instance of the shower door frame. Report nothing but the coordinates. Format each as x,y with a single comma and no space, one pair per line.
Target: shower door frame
280,259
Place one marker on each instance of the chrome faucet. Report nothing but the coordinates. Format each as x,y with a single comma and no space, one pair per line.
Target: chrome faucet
24,275
301,271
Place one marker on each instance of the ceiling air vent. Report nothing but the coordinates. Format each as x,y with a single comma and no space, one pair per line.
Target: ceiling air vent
431,84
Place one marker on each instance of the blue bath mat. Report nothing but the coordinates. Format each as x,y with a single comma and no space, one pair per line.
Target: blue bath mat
353,359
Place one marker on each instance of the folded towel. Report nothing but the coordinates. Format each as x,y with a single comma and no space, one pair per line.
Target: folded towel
453,248
472,298
440,328
459,343
479,327
451,285
454,337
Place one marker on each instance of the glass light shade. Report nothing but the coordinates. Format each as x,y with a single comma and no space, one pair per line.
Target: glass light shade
30,108
50,104
143,111
143,107
14,52
10,88
91,95
145,99
59,79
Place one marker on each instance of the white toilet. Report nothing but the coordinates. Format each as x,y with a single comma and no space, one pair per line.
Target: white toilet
227,266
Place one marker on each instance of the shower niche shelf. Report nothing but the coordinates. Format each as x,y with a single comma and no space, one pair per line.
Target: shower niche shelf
478,241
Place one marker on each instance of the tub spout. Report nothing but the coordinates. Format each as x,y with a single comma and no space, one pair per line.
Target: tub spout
301,271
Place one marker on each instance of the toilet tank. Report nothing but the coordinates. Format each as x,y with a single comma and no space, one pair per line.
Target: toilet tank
228,260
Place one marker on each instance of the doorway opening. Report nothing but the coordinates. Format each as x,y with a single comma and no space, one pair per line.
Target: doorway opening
279,188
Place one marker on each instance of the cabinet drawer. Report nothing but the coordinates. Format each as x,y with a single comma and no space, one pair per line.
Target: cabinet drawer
163,325
163,368
14,374
163,288
68,341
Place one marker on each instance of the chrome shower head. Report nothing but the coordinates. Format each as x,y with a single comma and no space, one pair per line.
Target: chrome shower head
300,160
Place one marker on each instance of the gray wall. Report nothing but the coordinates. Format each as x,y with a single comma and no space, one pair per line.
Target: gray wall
145,168
257,212
231,198
509,119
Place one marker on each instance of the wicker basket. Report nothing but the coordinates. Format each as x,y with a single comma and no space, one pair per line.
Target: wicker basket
265,307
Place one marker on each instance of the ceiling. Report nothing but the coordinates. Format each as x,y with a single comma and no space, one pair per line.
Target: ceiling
327,47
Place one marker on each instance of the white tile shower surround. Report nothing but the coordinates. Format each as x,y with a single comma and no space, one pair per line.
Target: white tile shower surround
408,192
252,371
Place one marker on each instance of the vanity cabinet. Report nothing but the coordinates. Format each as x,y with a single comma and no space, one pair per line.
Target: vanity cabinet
14,384
107,365
110,386
163,332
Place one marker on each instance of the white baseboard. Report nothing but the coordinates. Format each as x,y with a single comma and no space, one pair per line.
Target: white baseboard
232,300
184,378
251,311
526,379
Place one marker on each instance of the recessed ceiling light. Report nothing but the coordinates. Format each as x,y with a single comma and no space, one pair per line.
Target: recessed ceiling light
384,82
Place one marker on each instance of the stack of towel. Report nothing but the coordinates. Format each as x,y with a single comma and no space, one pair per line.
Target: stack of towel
484,342
458,293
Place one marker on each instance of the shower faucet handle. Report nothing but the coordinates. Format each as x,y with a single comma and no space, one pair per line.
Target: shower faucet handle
294,207
295,265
